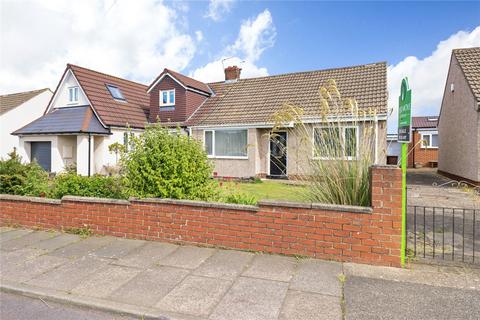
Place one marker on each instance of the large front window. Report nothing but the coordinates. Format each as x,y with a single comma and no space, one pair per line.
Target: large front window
231,143
335,142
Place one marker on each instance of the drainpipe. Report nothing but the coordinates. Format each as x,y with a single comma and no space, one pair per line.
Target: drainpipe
413,151
89,152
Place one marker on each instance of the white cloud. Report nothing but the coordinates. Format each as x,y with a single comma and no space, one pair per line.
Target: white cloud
218,8
255,36
199,35
124,38
426,76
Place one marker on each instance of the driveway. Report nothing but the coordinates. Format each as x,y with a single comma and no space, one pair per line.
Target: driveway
165,281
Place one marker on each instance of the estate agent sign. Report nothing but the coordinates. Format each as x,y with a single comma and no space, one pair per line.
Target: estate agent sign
404,113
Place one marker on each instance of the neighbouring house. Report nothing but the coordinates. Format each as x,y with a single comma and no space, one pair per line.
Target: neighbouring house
394,149
459,123
423,150
16,110
233,118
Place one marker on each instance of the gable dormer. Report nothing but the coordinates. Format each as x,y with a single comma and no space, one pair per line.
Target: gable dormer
175,97
69,93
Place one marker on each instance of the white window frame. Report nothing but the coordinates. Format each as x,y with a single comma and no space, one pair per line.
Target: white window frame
213,156
430,134
342,136
76,91
168,104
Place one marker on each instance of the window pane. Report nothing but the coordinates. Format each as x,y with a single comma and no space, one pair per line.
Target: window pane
115,92
327,142
434,140
209,142
164,97
231,143
351,142
75,94
172,97
426,141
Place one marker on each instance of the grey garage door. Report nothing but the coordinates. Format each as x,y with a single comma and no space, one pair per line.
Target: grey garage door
41,152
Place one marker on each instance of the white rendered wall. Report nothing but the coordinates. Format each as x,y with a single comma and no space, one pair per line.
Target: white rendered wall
19,117
82,155
61,98
24,150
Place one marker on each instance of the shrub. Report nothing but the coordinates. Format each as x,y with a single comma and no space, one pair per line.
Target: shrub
239,198
166,165
27,179
70,183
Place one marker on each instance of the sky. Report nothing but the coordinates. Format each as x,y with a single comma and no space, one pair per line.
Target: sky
137,39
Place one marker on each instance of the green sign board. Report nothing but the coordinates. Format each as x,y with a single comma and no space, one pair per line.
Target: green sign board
404,112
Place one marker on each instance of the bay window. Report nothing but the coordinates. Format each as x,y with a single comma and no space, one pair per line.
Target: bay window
335,142
226,143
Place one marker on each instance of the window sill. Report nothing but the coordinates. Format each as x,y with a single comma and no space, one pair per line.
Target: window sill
429,148
167,108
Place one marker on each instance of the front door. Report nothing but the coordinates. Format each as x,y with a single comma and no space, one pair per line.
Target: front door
278,155
42,154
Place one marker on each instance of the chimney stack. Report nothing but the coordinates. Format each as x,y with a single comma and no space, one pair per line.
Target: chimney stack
232,73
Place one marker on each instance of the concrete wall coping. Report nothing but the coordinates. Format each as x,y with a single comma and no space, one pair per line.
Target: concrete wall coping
11,197
193,203
316,206
96,200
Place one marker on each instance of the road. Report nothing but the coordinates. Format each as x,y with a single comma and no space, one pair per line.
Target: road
16,307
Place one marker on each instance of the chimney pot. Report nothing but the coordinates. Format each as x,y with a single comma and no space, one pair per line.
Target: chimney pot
232,73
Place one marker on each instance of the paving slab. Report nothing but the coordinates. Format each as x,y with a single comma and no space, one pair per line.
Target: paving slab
224,264
118,248
310,306
195,295
12,234
26,240
187,257
251,298
82,248
150,286
18,256
368,298
29,269
104,282
70,275
61,240
318,276
272,267
147,255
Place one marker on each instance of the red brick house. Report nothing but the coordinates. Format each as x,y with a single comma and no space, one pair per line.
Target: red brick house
423,150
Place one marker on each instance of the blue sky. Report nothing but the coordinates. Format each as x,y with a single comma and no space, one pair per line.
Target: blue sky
137,39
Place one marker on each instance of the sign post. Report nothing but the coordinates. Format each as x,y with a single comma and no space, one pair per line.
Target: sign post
404,137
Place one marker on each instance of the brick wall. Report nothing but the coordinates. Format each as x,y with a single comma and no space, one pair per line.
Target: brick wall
344,233
421,156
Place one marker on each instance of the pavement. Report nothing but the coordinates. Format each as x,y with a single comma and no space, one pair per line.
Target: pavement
44,273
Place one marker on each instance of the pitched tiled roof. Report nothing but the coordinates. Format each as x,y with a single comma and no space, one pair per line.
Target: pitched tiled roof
425,122
255,100
11,101
65,120
133,111
469,61
184,80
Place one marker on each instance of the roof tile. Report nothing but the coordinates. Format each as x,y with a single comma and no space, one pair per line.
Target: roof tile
11,101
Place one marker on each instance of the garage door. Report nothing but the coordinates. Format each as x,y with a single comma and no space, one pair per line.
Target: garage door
41,152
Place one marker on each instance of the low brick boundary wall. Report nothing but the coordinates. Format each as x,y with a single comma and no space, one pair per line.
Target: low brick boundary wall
369,235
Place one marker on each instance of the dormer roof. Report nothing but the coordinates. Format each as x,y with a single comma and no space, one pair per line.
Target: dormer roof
186,82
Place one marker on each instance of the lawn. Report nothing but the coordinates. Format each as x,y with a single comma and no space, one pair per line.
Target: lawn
268,190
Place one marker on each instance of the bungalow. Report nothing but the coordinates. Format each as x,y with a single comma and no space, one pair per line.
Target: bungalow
459,123
16,110
423,150
233,118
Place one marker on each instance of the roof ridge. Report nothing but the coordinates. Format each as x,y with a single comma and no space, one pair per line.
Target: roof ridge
23,92
105,74
302,72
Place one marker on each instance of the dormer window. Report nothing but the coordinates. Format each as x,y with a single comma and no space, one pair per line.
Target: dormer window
167,98
73,95
115,92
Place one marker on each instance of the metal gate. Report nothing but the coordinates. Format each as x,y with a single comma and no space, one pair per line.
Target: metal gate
441,233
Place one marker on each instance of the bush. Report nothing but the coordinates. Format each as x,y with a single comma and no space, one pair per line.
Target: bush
70,183
26,179
239,198
165,165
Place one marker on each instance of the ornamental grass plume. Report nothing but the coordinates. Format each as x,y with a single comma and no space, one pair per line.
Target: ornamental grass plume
338,151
